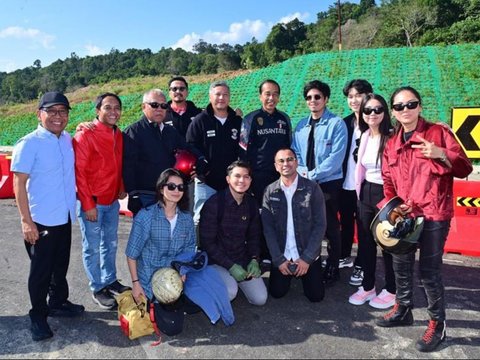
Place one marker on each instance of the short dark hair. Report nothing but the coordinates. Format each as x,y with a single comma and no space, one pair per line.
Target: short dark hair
361,85
241,164
163,180
99,99
319,85
285,149
178,78
268,81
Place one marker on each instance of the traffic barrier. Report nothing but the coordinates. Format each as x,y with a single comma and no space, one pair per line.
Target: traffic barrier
463,237
6,177
124,208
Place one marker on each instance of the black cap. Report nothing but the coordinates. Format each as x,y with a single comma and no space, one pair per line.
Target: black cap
53,98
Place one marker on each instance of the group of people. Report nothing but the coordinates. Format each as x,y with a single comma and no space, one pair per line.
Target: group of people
264,193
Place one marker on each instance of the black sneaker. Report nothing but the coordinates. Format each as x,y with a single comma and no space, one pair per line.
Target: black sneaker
104,299
40,329
400,315
116,288
433,336
67,309
330,274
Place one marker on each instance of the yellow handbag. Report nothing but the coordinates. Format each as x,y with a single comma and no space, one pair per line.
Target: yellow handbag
134,318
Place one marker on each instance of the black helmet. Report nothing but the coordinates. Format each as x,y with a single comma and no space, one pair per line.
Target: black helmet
394,232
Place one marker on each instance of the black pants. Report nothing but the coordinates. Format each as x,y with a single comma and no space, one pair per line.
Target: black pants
312,282
370,196
50,257
331,192
347,208
431,244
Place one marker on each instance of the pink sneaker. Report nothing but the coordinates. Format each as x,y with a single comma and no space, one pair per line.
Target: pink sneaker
362,296
384,300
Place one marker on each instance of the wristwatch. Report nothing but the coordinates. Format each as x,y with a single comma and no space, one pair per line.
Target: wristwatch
443,158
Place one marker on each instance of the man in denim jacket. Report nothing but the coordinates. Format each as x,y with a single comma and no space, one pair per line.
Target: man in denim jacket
294,223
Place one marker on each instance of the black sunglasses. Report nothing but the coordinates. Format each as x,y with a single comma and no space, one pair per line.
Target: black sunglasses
180,88
410,105
376,110
316,97
172,186
156,105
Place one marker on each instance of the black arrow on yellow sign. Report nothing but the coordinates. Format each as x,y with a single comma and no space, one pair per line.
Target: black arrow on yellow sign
464,133
468,201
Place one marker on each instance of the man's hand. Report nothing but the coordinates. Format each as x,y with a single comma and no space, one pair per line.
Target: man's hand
91,215
302,267
253,268
30,232
85,125
238,272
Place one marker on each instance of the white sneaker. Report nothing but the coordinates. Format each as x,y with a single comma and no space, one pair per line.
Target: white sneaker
345,263
362,296
357,276
384,300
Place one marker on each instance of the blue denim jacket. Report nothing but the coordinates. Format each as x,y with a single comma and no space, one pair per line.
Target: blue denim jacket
331,138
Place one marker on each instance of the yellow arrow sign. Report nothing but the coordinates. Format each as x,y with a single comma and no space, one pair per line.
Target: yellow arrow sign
466,127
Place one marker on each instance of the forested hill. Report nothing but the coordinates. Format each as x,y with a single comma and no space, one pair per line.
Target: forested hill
446,76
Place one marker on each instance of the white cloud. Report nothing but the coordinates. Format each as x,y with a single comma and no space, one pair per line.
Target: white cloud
37,36
238,33
7,65
94,50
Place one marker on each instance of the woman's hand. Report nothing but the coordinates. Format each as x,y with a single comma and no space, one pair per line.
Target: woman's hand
137,292
428,149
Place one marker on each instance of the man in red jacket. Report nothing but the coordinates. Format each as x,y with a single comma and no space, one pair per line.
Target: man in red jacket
98,172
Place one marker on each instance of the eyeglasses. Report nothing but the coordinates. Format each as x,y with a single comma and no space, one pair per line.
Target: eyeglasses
172,186
376,110
316,97
179,88
52,112
410,105
288,159
156,105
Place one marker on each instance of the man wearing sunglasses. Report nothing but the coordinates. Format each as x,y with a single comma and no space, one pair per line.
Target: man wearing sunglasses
320,142
149,148
180,111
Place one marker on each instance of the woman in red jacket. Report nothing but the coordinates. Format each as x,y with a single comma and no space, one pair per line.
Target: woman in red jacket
419,163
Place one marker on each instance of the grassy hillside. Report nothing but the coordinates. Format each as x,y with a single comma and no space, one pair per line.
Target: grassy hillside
445,76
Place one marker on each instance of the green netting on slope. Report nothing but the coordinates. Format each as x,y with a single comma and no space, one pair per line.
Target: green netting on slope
446,77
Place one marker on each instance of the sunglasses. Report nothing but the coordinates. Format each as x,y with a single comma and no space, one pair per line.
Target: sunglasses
180,88
410,105
156,105
376,110
316,97
172,186
288,159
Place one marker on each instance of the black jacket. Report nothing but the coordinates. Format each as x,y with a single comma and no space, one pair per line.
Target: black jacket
181,122
147,152
217,142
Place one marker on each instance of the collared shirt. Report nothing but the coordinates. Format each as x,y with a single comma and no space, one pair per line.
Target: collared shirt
49,162
153,245
291,251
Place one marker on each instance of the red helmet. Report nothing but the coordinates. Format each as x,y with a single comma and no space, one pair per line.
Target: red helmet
185,162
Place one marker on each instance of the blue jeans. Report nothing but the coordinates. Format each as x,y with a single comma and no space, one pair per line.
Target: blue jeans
202,193
99,241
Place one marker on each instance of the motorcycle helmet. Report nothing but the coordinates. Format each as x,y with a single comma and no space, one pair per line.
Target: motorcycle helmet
396,233
185,162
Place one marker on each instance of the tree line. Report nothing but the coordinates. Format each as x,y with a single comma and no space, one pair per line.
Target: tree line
391,23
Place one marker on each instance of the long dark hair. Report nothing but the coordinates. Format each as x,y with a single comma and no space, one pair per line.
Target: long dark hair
163,180
385,126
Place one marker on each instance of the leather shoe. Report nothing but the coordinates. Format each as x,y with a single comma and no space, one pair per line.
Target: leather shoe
67,309
40,329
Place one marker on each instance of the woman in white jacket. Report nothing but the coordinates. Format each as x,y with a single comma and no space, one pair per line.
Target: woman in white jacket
376,127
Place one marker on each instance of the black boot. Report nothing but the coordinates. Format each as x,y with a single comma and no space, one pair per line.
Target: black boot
330,274
400,315
433,336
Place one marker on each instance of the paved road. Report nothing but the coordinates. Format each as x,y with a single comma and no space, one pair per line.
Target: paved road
284,328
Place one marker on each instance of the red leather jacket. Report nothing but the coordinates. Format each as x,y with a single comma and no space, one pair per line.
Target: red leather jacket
98,165
425,183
